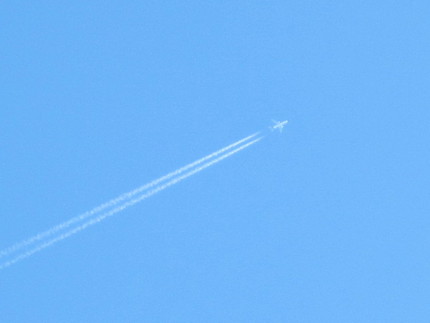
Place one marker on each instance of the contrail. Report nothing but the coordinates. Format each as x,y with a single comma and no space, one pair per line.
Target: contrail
123,207
115,201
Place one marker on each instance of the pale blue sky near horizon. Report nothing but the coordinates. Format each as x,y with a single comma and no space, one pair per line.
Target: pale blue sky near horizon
327,222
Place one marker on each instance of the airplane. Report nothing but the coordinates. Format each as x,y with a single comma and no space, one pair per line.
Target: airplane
278,125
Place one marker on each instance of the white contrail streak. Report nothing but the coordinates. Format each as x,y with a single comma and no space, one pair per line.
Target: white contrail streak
123,207
115,201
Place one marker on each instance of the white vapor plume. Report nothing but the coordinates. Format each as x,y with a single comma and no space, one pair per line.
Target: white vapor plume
25,243
142,197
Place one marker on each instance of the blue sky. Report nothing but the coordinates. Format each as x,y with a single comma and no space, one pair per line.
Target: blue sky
326,222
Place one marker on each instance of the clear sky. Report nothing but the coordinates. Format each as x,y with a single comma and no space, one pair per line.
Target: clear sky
327,222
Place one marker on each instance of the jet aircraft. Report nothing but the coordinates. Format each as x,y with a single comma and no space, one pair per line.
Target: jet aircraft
278,125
